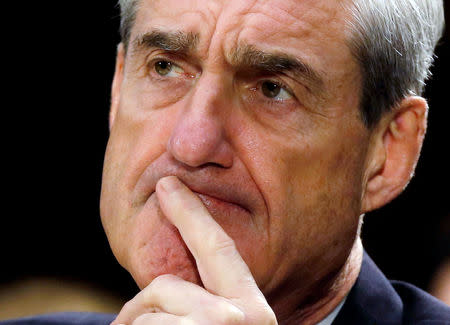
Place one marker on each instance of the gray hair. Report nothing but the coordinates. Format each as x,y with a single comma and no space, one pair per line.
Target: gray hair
393,41
128,9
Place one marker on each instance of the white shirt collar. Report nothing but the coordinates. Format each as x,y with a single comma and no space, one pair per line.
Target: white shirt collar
330,318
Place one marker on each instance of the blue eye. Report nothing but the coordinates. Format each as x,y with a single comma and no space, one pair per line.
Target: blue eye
274,90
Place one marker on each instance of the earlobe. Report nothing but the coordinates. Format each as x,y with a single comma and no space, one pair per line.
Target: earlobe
116,84
396,149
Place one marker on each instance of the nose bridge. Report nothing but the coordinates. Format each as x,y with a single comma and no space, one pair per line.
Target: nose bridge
198,137
209,93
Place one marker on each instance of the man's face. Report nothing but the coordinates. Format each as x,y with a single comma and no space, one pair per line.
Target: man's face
254,106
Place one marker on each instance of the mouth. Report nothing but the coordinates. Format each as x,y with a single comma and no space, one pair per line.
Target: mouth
221,191
216,205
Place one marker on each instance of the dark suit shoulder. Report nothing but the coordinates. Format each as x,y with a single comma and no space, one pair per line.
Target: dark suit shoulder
419,307
374,300
70,318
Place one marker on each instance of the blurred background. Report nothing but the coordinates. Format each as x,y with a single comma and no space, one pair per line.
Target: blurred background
54,254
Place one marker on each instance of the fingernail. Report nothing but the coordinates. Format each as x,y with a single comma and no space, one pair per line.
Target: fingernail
170,184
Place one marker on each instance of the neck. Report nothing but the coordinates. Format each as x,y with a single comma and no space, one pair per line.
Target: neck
333,291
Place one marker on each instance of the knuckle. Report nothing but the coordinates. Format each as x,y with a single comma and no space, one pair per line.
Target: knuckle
187,321
165,279
158,284
127,307
227,313
266,317
141,320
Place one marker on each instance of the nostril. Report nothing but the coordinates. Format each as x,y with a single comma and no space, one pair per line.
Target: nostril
205,165
213,164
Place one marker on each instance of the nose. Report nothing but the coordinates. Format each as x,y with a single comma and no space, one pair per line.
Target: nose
199,136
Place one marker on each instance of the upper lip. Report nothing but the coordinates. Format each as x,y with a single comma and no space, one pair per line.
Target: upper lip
211,180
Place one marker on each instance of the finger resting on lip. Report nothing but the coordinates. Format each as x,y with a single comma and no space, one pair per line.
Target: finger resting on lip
221,267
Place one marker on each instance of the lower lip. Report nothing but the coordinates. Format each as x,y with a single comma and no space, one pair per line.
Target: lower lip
218,207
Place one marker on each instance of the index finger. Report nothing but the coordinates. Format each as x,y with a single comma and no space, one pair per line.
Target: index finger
221,267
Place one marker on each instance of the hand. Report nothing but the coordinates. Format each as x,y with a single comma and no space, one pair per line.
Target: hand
230,296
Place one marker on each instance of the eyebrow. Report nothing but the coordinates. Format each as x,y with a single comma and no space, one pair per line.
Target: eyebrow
248,57
243,58
177,41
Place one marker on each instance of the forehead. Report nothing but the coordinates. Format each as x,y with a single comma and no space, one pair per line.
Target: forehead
303,26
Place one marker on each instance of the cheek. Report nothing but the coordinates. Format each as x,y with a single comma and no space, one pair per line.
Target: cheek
136,139
164,253
312,187
326,200
327,184
134,142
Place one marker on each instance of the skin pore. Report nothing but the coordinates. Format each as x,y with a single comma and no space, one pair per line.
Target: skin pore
253,105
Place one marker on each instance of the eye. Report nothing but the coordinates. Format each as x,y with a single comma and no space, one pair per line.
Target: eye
167,69
275,90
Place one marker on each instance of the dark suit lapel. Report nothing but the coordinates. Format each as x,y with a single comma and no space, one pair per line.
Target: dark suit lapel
372,300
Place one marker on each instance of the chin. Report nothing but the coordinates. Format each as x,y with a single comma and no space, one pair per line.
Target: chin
162,254
143,276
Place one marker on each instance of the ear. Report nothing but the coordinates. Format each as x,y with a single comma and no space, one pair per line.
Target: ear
116,84
394,152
